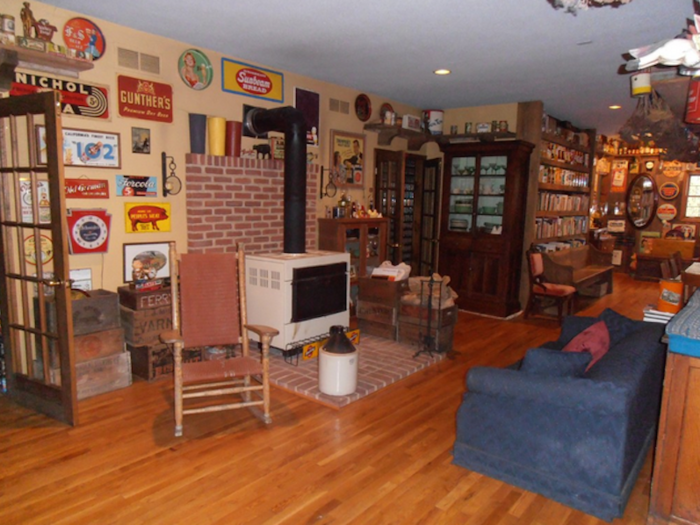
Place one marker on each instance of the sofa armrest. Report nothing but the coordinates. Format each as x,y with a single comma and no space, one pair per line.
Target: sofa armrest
575,393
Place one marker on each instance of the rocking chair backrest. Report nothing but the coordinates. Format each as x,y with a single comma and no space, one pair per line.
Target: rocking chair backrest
209,299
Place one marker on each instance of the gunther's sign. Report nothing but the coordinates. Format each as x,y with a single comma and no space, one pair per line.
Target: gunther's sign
145,99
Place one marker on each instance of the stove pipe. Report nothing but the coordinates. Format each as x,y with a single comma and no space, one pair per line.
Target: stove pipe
291,121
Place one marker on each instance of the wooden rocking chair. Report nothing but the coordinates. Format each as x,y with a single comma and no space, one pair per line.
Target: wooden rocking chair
209,309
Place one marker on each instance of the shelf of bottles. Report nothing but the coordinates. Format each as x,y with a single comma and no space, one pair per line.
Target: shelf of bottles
477,190
408,209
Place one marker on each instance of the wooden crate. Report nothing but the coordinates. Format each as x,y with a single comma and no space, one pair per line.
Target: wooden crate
100,375
99,344
378,312
142,327
156,361
384,330
382,291
96,313
137,300
409,333
414,314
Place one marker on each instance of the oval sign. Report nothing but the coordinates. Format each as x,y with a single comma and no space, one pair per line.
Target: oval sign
84,36
666,212
669,190
254,81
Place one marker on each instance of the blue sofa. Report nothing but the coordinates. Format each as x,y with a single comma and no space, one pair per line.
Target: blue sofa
578,440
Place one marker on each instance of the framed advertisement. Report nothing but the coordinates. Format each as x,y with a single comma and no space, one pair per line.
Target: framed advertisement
146,260
84,148
309,103
347,152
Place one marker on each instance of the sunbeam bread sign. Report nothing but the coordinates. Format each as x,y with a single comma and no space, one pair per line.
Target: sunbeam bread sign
251,81
77,98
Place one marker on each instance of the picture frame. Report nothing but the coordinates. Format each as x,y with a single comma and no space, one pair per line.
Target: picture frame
141,140
347,154
154,258
84,148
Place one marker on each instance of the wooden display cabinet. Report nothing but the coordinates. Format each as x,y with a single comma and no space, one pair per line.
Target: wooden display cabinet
482,223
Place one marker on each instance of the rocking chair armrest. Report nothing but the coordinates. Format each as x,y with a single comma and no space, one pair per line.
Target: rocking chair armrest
262,330
170,337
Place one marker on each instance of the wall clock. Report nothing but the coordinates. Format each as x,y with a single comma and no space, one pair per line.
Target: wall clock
89,231
363,107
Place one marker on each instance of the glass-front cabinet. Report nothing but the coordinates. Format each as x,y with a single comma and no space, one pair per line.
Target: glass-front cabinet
482,225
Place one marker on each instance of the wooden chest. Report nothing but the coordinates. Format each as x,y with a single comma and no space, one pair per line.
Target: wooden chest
142,327
100,375
96,313
137,300
156,361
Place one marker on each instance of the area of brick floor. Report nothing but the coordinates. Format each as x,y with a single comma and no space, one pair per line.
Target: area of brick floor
381,363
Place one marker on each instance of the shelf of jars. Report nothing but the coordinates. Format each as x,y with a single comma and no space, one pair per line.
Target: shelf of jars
58,63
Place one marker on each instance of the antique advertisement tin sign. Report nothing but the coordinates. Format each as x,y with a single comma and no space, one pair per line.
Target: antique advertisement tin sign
144,99
195,69
137,186
251,81
83,36
146,218
86,189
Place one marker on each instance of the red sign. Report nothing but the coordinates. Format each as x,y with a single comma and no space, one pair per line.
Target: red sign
254,81
86,189
89,231
84,36
145,99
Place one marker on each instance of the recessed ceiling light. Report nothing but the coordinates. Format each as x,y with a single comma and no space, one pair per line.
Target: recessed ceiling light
442,71
615,107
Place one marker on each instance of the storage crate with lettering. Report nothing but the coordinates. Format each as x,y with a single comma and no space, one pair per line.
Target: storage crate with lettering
101,375
142,327
94,312
156,361
138,300
378,306
413,325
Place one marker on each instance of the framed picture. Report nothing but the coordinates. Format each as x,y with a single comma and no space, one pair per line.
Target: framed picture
308,102
140,140
347,152
85,148
146,260
646,241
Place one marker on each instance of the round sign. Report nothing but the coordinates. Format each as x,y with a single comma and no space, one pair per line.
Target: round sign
90,232
673,169
363,107
46,250
669,190
666,212
83,36
195,69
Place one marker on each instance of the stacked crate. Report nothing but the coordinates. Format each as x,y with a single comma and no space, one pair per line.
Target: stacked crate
413,323
101,362
378,306
145,314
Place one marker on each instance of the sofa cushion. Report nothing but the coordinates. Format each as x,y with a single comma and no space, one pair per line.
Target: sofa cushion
618,325
554,363
594,340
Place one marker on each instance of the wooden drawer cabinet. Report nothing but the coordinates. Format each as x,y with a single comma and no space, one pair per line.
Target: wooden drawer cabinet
675,490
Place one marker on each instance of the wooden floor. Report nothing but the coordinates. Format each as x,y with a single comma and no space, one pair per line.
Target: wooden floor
383,460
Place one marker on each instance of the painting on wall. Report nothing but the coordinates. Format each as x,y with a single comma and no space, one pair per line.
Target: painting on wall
347,152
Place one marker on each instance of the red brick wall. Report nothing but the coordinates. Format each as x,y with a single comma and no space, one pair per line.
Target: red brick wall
232,200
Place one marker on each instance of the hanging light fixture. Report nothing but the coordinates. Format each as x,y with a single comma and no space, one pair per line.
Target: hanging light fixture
572,6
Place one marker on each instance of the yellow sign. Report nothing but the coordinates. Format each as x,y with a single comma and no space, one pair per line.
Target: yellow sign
252,81
149,217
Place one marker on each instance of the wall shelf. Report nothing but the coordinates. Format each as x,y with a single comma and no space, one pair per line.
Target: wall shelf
18,56
387,133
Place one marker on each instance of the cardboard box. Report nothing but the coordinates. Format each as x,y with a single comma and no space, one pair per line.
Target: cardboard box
156,361
142,327
137,300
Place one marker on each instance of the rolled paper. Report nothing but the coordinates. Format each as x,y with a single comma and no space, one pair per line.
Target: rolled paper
198,133
234,131
217,135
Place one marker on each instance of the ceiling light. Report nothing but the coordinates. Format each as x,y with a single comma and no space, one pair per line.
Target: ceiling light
571,6
442,71
615,107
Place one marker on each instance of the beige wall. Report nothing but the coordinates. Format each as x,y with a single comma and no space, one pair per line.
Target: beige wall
174,138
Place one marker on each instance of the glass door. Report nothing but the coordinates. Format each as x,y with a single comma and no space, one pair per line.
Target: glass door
462,192
491,194
429,217
388,190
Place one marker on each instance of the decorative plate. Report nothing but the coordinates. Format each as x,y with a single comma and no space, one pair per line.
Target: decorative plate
195,69
669,190
363,107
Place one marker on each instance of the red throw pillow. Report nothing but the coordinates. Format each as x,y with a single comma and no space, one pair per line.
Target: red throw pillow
594,339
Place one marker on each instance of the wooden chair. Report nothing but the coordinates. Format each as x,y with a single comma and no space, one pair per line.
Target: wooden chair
543,293
209,309
666,271
676,263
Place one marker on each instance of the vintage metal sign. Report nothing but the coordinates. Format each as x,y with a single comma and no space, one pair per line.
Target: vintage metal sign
145,218
251,81
77,98
84,147
145,99
136,186
84,36
89,230
86,189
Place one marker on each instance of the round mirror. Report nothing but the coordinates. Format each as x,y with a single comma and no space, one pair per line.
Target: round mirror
642,199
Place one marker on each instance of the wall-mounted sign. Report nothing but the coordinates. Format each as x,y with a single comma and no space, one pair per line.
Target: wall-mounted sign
46,249
77,98
673,169
666,212
144,99
146,218
251,81
137,186
83,36
83,147
195,69
25,190
86,189
88,230
616,226
669,190
618,183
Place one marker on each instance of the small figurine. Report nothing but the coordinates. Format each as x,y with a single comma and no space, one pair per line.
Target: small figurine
28,20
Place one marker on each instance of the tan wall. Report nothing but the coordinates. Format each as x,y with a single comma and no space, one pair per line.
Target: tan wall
174,138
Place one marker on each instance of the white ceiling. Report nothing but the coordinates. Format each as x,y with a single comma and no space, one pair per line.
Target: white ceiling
498,50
